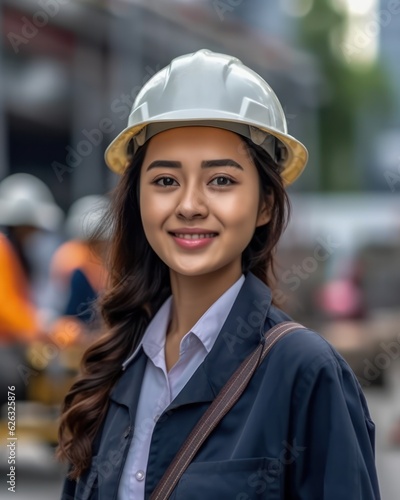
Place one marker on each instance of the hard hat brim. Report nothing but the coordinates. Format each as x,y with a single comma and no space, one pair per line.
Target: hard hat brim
116,155
45,216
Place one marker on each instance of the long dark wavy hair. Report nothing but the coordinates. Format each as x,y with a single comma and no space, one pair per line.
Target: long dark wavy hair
139,283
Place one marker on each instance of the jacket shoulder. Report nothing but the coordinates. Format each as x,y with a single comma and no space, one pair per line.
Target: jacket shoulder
304,349
305,361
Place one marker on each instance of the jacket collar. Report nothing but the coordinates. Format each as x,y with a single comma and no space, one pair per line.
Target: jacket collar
239,336
127,389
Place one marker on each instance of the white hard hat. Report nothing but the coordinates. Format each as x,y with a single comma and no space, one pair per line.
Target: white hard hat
216,90
26,201
85,215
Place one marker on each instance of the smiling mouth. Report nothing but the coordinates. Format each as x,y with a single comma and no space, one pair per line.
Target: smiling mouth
186,236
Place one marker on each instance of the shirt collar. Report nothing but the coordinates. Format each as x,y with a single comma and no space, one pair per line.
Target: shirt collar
206,329
209,325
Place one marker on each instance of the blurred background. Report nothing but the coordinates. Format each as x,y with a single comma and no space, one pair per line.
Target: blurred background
69,72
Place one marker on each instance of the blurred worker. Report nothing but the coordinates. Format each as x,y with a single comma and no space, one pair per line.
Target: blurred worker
77,269
28,213
18,317
19,322
31,218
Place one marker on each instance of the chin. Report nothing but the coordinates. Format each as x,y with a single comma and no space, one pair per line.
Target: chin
191,272
198,270
192,269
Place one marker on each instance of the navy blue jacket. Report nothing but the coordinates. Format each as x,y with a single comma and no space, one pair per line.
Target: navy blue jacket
301,429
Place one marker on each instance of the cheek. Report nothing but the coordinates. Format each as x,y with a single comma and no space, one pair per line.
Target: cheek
150,226
154,212
148,212
150,221
240,211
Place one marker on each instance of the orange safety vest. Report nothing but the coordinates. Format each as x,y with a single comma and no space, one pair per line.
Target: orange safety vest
18,316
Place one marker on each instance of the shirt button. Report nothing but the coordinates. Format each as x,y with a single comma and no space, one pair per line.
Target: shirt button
139,475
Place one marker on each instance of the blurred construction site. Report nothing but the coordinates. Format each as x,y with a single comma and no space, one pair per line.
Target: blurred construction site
67,69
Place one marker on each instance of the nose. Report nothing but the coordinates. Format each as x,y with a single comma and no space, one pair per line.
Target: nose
191,203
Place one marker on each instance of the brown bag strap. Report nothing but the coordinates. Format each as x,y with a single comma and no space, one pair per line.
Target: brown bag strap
226,398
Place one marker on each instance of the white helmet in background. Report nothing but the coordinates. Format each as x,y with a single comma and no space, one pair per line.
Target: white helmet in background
25,200
85,216
215,90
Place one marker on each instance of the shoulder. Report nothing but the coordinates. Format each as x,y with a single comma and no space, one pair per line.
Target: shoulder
306,355
310,370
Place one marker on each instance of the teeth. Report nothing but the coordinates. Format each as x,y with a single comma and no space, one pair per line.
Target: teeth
194,236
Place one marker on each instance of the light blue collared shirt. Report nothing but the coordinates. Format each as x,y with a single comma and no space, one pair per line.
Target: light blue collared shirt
160,388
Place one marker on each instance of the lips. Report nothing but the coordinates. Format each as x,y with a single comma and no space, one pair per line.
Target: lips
194,236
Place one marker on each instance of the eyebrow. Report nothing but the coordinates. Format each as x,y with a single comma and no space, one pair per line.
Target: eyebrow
225,162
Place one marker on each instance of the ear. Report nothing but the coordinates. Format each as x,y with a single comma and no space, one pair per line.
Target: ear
264,213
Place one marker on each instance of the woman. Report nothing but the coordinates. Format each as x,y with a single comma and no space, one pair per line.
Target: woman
197,214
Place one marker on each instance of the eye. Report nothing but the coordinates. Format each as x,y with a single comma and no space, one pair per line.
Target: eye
168,181
222,181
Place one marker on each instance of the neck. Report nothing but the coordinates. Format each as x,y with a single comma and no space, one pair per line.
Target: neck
193,295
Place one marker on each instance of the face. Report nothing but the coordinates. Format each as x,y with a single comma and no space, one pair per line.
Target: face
199,199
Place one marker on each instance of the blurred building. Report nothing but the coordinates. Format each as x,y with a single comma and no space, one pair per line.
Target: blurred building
378,143
53,90
385,165
389,50
71,70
